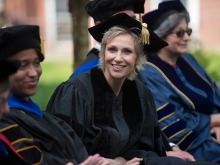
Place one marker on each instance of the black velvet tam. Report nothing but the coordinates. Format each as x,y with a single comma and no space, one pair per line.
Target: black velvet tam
17,38
165,9
125,21
103,9
8,67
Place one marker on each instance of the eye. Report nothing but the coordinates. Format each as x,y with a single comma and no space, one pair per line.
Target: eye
127,51
23,65
112,49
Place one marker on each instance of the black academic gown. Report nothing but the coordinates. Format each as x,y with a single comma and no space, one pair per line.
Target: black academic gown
44,141
124,125
11,157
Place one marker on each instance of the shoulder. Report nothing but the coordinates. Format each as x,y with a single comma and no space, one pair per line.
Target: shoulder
143,90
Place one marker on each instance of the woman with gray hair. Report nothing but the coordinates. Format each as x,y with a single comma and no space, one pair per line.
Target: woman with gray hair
112,112
187,100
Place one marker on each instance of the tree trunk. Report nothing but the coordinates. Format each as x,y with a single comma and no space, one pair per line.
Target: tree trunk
79,30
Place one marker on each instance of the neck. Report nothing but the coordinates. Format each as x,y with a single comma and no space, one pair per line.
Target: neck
22,97
116,85
170,58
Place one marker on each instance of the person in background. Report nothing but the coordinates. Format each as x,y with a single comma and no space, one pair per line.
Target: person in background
187,100
37,136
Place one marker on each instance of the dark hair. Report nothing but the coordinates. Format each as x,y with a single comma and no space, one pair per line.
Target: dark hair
4,84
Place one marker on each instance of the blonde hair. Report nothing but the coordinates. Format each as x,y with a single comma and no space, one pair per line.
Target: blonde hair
138,47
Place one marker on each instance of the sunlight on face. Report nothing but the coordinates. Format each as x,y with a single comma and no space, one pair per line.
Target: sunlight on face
120,58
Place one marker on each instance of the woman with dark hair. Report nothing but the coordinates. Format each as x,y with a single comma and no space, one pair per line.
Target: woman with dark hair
37,136
187,100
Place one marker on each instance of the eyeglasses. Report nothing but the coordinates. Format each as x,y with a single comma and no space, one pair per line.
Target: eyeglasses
181,32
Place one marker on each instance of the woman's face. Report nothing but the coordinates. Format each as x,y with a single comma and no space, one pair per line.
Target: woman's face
177,45
120,57
4,102
25,80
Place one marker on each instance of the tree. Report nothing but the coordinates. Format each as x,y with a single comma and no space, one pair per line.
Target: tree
79,30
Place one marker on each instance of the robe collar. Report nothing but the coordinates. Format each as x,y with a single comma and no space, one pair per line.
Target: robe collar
202,104
28,106
131,104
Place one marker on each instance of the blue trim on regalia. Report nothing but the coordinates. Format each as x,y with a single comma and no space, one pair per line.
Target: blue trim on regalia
204,105
86,67
3,149
174,128
167,110
188,141
28,106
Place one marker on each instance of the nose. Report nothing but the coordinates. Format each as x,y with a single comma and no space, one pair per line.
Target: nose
118,57
185,37
32,72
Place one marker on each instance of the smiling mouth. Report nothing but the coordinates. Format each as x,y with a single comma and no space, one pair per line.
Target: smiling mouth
118,66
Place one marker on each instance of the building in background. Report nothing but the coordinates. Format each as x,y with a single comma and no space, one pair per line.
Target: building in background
54,20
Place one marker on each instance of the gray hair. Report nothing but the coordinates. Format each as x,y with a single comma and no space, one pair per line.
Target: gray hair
170,23
138,47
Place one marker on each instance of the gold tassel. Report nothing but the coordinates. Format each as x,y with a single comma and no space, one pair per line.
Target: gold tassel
42,45
145,35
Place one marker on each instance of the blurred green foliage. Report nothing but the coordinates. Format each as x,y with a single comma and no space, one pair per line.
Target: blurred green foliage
54,73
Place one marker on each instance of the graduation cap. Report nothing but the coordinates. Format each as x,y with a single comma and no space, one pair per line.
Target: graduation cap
165,9
17,38
8,67
103,9
148,38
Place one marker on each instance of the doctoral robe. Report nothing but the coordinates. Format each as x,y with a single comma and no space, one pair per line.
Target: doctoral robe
42,140
125,125
185,97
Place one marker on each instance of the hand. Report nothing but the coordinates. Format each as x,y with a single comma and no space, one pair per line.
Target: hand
91,160
216,130
215,120
134,161
180,154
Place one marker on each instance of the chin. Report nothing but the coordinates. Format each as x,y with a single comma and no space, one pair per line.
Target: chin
31,93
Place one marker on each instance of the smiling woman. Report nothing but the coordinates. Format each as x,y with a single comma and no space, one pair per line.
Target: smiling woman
111,111
40,138
186,98
26,79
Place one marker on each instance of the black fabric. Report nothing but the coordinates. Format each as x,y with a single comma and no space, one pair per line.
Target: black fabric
165,9
17,38
8,67
125,21
103,9
45,141
77,97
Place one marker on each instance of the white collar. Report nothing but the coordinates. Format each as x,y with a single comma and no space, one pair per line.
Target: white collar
97,46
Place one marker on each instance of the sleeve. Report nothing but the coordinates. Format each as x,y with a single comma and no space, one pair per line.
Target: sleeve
69,103
180,125
150,142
